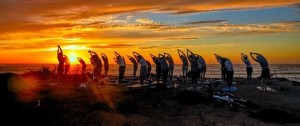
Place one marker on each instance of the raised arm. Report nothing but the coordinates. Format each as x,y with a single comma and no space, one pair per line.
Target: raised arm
218,58
131,59
59,50
117,54
242,57
92,53
254,58
190,53
102,54
179,52
116,60
153,57
160,56
137,56
167,54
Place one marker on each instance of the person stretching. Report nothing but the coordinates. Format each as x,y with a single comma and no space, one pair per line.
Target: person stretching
223,69
171,65
83,67
143,69
121,62
265,71
158,67
135,65
106,64
194,66
249,68
185,65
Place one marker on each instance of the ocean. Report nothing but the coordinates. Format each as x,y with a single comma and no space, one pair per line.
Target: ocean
289,71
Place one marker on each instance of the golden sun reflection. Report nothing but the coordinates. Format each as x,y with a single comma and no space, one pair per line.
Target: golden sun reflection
73,57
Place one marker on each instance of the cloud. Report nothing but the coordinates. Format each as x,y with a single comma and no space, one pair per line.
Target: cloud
204,22
40,15
116,45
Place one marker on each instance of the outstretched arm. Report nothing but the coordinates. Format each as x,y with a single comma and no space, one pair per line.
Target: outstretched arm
242,57
130,58
92,53
117,54
116,60
168,55
190,53
59,50
153,57
104,55
251,54
137,56
179,52
218,58
160,55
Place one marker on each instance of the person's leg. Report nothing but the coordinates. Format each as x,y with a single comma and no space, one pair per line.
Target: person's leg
266,80
250,73
223,74
158,76
185,68
204,71
120,74
123,72
105,72
194,78
134,72
198,74
182,70
231,77
165,76
141,75
262,84
247,70
171,74
227,79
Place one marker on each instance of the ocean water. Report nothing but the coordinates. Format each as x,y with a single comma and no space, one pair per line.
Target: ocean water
289,71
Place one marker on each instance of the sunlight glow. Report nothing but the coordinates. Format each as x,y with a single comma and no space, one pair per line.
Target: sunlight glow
73,57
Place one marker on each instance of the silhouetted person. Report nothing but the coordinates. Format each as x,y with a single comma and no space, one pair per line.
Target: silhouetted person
164,68
106,64
249,68
202,68
67,65
83,67
143,69
265,72
60,57
97,63
194,66
171,65
148,67
121,62
185,64
135,65
229,69
223,69
158,67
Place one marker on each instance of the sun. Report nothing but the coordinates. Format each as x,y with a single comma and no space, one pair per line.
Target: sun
73,57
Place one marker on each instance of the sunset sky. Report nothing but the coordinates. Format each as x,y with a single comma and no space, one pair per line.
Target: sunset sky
30,30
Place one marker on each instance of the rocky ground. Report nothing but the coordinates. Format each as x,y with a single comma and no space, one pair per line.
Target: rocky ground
46,102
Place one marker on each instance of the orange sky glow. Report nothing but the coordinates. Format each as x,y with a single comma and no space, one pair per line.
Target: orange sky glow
31,30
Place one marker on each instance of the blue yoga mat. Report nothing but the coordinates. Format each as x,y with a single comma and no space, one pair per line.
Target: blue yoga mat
231,89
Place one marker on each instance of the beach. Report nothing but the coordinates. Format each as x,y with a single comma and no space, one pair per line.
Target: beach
44,101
